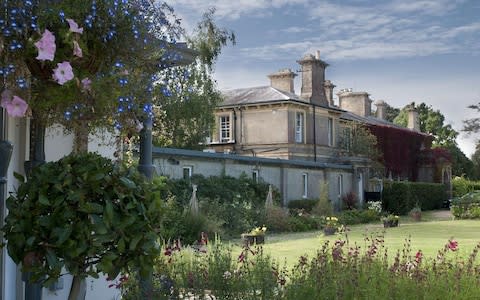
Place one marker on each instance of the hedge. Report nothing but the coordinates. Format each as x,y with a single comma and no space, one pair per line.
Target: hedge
467,206
400,197
306,204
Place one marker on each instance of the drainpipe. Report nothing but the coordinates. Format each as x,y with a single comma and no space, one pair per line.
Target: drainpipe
314,135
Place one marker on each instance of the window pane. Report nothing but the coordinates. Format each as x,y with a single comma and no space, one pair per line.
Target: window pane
224,129
299,125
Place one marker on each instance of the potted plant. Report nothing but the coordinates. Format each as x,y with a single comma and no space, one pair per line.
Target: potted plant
416,213
331,225
255,236
390,220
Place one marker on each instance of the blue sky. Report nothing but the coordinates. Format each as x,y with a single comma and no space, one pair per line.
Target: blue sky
397,50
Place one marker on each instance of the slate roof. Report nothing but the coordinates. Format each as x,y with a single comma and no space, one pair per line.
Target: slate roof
371,120
262,95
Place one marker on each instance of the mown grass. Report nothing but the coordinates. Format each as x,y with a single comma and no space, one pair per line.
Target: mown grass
430,235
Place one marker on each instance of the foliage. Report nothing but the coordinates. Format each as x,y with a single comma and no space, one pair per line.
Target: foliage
237,204
300,221
462,186
258,231
461,164
391,112
277,219
355,216
110,79
305,204
350,201
324,205
185,104
431,122
338,270
359,140
401,196
466,206
85,214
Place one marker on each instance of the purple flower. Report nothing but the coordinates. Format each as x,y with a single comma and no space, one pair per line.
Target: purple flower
74,26
86,84
16,107
77,51
46,46
63,72
6,98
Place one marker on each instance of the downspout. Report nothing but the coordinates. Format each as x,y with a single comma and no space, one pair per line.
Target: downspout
314,135
235,125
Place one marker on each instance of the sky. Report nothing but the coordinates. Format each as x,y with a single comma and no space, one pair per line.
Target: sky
398,51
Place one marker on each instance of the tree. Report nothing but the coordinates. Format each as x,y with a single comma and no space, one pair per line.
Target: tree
391,112
431,122
85,214
185,104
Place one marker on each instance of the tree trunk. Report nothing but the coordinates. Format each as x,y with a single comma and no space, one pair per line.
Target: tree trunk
78,290
80,142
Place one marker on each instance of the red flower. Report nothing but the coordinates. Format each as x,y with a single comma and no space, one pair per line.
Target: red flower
418,256
452,245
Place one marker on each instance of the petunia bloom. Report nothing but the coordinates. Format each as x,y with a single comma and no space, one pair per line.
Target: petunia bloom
63,72
17,107
86,84
77,51
46,46
74,26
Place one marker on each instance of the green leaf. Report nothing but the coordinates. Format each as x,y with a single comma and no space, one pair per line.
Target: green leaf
42,199
19,177
128,183
108,212
121,245
134,242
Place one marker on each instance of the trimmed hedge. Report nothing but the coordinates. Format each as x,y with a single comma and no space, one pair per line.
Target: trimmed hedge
305,204
399,197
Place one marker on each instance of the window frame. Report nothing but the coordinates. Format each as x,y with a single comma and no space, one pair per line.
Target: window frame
305,185
255,175
299,128
224,128
190,172
330,131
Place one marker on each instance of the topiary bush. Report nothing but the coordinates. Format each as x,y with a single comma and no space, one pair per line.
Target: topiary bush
86,214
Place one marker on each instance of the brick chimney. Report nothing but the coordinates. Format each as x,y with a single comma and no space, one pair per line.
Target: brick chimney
413,120
283,80
356,102
381,109
313,77
328,87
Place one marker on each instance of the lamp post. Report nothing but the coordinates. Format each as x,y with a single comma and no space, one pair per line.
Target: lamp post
185,57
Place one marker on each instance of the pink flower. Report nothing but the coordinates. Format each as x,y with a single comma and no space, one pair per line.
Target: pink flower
452,245
77,51
16,107
74,26
418,256
86,84
46,46
63,72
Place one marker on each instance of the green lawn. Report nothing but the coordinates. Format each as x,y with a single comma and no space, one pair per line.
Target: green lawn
429,236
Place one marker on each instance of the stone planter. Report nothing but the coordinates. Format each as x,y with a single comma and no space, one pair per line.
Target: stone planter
390,223
250,239
329,230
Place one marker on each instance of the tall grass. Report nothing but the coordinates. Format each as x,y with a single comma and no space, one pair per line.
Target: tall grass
338,270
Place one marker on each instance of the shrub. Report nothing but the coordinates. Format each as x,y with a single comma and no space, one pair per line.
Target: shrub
305,204
401,197
462,186
324,205
467,206
354,216
350,201
302,221
277,219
